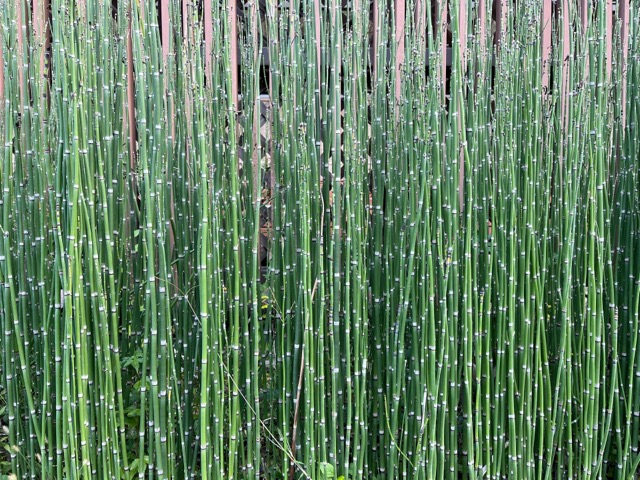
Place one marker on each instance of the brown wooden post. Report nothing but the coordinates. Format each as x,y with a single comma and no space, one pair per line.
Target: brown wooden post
608,32
462,50
399,61
166,29
20,52
583,7
269,130
165,25
566,54
316,8
186,39
482,20
208,38
357,32
462,31
82,9
336,173
623,12
444,28
233,34
441,14
185,18
376,26
1,72
257,105
131,99
40,27
502,14
546,44
421,21
271,15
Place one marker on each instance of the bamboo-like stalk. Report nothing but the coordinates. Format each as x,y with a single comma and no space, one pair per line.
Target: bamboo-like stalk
451,285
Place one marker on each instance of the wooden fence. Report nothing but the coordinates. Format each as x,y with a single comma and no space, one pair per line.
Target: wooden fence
36,15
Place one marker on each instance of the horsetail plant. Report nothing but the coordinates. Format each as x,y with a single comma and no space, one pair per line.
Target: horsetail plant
375,239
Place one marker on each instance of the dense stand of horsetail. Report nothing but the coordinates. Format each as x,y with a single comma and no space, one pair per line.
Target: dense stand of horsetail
319,239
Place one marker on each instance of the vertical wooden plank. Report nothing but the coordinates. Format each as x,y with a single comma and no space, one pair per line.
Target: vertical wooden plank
208,37
376,25
271,17
82,9
257,106
400,8
480,72
165,31
131,97
502,15
546,44
20,52
292,41
166,28
316,8
41,34
462,31
357,32
462,64
233,19
623,11
444,27
40,27
566,53
482,21
608,18
185,16
269,130
441,8
420,21
1,72
583,7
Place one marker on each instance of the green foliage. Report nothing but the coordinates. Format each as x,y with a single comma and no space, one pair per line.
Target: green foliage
421,271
